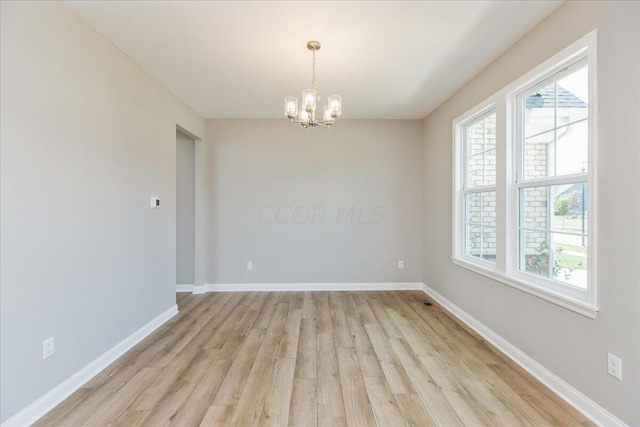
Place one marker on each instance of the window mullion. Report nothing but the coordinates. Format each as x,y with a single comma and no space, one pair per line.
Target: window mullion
502,183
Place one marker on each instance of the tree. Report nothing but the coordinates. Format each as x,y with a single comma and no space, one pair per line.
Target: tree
564,202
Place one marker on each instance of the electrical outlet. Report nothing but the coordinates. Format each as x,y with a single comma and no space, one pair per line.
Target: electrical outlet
614,366
400,264
47,348
249,265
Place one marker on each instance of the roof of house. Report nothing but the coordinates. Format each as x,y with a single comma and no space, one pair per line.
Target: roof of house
544,98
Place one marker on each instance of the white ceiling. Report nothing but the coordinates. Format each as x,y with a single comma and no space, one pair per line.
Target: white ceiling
239,59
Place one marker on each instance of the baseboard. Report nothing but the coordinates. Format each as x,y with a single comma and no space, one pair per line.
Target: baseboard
575,398
40,407
287,287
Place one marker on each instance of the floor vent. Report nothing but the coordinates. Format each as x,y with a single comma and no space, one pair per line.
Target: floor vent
427,303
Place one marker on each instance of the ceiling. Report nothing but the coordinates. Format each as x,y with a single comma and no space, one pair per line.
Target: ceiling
239,59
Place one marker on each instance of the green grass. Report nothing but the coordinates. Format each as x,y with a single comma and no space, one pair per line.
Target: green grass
574,262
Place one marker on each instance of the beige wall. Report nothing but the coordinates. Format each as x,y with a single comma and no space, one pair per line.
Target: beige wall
87,138
185,209
572,346
339,205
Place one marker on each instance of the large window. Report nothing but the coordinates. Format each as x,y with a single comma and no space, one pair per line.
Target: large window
524,182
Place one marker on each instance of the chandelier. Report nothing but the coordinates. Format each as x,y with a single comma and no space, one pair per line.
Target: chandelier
305,113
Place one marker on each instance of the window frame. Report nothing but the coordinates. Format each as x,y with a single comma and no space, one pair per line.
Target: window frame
506,268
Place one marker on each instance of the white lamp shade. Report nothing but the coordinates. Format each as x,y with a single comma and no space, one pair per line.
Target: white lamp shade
327,113
308,100
335,105
291,107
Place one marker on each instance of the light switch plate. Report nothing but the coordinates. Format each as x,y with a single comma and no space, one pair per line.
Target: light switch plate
47,348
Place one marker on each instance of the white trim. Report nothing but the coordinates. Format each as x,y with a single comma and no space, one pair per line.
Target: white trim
184,288
292,287
530,288
575,398
50,400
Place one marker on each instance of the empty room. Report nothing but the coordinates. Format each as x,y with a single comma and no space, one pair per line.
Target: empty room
319,213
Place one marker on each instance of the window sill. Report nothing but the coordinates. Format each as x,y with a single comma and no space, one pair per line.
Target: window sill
561,300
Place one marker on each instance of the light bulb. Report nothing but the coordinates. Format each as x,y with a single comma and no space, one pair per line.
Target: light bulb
309,100
335,102
291,107
327,112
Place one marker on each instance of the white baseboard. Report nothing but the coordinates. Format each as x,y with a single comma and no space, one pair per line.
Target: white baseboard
273,287
40,407
575,398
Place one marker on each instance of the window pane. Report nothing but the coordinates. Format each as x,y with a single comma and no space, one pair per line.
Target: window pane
539,111
474,136
475,170
534,204
480,146
481,169
571,149
572,97
490,167
567,213
555,128
549,255
536,155
481,135
569,259
473,212
534,250
553,236
570,208
480,218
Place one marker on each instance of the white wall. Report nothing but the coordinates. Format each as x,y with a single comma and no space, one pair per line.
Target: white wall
185,209
87,137
572,346
280,197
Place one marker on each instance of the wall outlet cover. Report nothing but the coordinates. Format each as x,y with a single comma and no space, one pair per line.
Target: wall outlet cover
614,366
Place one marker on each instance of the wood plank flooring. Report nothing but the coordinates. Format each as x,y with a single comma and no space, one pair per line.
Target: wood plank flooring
312,359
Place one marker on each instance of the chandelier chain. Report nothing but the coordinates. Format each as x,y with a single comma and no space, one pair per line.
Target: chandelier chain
314,85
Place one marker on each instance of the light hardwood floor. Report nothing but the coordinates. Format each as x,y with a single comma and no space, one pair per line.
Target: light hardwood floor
312,358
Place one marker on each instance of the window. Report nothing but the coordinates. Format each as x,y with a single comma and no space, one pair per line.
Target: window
524,183
552,143
480,187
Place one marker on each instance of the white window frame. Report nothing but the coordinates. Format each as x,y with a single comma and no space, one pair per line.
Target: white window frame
506,268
